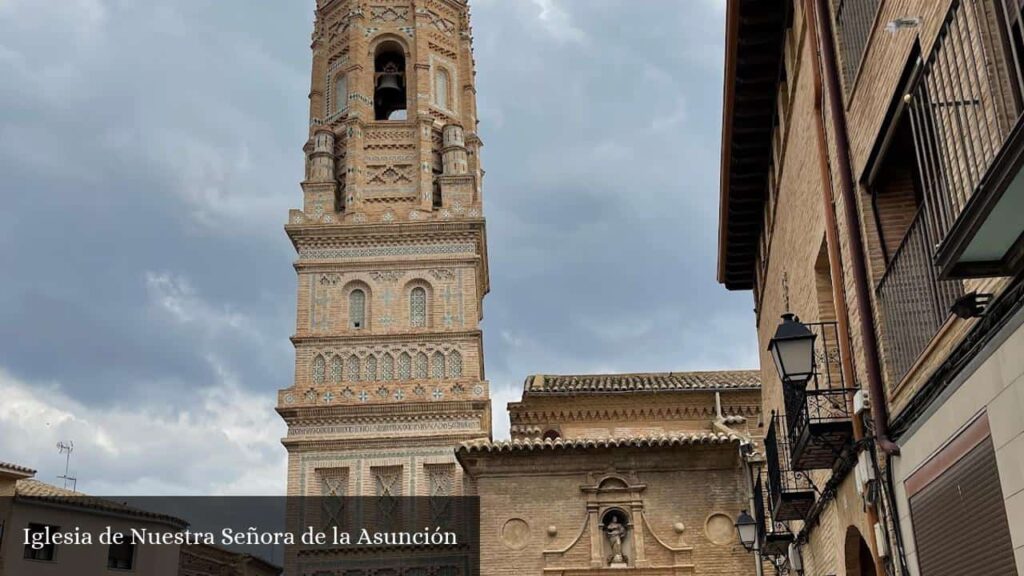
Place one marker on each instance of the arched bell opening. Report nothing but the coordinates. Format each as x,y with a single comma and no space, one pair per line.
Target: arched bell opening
389,92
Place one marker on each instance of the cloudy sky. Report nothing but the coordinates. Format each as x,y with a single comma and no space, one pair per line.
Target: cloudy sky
150,150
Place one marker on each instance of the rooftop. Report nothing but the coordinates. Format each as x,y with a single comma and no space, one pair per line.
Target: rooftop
753,54
541,444
16,470
29,490
711,381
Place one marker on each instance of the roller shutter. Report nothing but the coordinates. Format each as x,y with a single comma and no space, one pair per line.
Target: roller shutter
960,522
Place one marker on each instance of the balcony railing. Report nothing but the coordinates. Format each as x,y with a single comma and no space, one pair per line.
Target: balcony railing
915,302
773,537
790,492
821,429
965,105
854,21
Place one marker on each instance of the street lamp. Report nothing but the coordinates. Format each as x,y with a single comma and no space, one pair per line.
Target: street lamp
747,527
796,559
792,349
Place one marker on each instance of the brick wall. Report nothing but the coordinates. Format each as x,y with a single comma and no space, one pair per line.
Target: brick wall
698,489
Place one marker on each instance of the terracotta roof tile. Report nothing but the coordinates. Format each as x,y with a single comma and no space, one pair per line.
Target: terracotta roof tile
34,490
647,382
539,444
8,467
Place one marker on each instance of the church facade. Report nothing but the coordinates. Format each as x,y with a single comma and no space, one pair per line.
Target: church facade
641,473
635,473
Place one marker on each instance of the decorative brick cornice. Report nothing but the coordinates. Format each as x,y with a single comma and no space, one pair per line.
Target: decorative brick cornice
340,446
304,414
469,336
382,231
628,414
538,444
314,266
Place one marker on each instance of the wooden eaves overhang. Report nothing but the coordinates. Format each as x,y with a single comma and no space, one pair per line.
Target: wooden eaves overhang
755,30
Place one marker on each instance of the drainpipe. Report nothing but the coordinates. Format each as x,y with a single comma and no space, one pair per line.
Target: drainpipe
815,12
879,410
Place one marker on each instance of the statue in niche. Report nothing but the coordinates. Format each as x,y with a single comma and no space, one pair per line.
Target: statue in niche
616,533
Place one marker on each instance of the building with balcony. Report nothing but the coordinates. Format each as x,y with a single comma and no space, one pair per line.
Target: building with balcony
896,213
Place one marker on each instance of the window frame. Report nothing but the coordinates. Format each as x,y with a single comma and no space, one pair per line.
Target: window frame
414,320
131,558
31,553
446,102
339,100
363,323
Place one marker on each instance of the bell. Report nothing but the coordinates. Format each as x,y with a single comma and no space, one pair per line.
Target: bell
390,81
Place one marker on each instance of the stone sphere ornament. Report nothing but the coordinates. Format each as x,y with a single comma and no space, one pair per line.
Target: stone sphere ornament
678,527
552,531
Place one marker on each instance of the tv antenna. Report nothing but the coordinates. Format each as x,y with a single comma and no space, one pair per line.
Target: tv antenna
67,449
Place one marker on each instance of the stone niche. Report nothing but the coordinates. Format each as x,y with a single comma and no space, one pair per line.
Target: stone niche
616,537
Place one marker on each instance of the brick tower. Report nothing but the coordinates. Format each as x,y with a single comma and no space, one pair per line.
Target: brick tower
392,257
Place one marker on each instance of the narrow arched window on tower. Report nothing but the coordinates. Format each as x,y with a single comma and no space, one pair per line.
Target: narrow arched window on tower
455,365
336,367
404,366
437,199
421,365
441,89
418,307
340,93
319,367
352,369
371,368
357,309
437,366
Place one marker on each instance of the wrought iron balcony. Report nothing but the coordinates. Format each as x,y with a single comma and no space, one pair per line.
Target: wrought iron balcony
773,537
790,492
915,302
854,20
966,115
821,429
818,417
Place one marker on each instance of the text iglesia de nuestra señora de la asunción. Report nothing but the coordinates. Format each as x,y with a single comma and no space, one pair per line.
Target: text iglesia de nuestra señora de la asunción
637,472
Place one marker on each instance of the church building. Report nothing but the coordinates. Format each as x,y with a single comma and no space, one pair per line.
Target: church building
639,473
661,455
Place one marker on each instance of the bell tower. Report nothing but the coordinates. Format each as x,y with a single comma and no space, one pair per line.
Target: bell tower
392,255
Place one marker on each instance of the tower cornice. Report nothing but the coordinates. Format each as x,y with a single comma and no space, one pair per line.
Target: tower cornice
340,412
373,231
387,338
